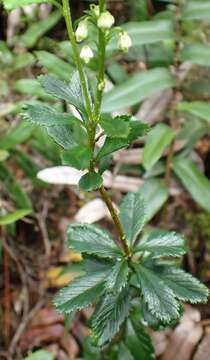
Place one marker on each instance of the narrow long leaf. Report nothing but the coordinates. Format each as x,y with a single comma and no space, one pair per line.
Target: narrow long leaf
194,181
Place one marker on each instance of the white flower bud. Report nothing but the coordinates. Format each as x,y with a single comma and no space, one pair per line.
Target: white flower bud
82,31
86,54
125,41
105,21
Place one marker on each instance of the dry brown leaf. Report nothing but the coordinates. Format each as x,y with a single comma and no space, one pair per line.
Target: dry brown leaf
203,352
37,336
91,212
70,345
47,316
184,338
55,279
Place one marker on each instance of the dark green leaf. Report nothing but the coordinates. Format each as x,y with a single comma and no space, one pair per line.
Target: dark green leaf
132,215
80,293
138,129
90,181
90,239
137,88
45,115
162,243
159,298
62,135
78,157
110,314
194,181
72,92
117,127
118,276
124,353
111,145
198,54
185,287
196,10
157,140
138,341
15,216
199,109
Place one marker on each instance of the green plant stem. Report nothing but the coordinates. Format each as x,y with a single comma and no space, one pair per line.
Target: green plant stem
106,198
102,5
69,26
101,74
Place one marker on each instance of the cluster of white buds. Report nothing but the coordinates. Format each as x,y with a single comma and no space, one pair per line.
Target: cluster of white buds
86,54
124,42
105,21
82,31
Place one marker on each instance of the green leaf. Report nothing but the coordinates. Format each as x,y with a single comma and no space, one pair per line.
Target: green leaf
198,54
124,353
199,109
137,88
146,32
194,181
157,140
196,10
80,293
110,314
18,134
41,355
90,239
118,276
132,215
62,135
90,181
14,189
72,92
155,193
185,287
163,243
12,4
138,129
30,87
4,154
54,65
38,29
23,60
78,157
157,295
15,216
117,127
138,341
111,145
46,115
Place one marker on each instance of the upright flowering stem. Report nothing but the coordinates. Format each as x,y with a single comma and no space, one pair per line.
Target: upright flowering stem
69,26
94,117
